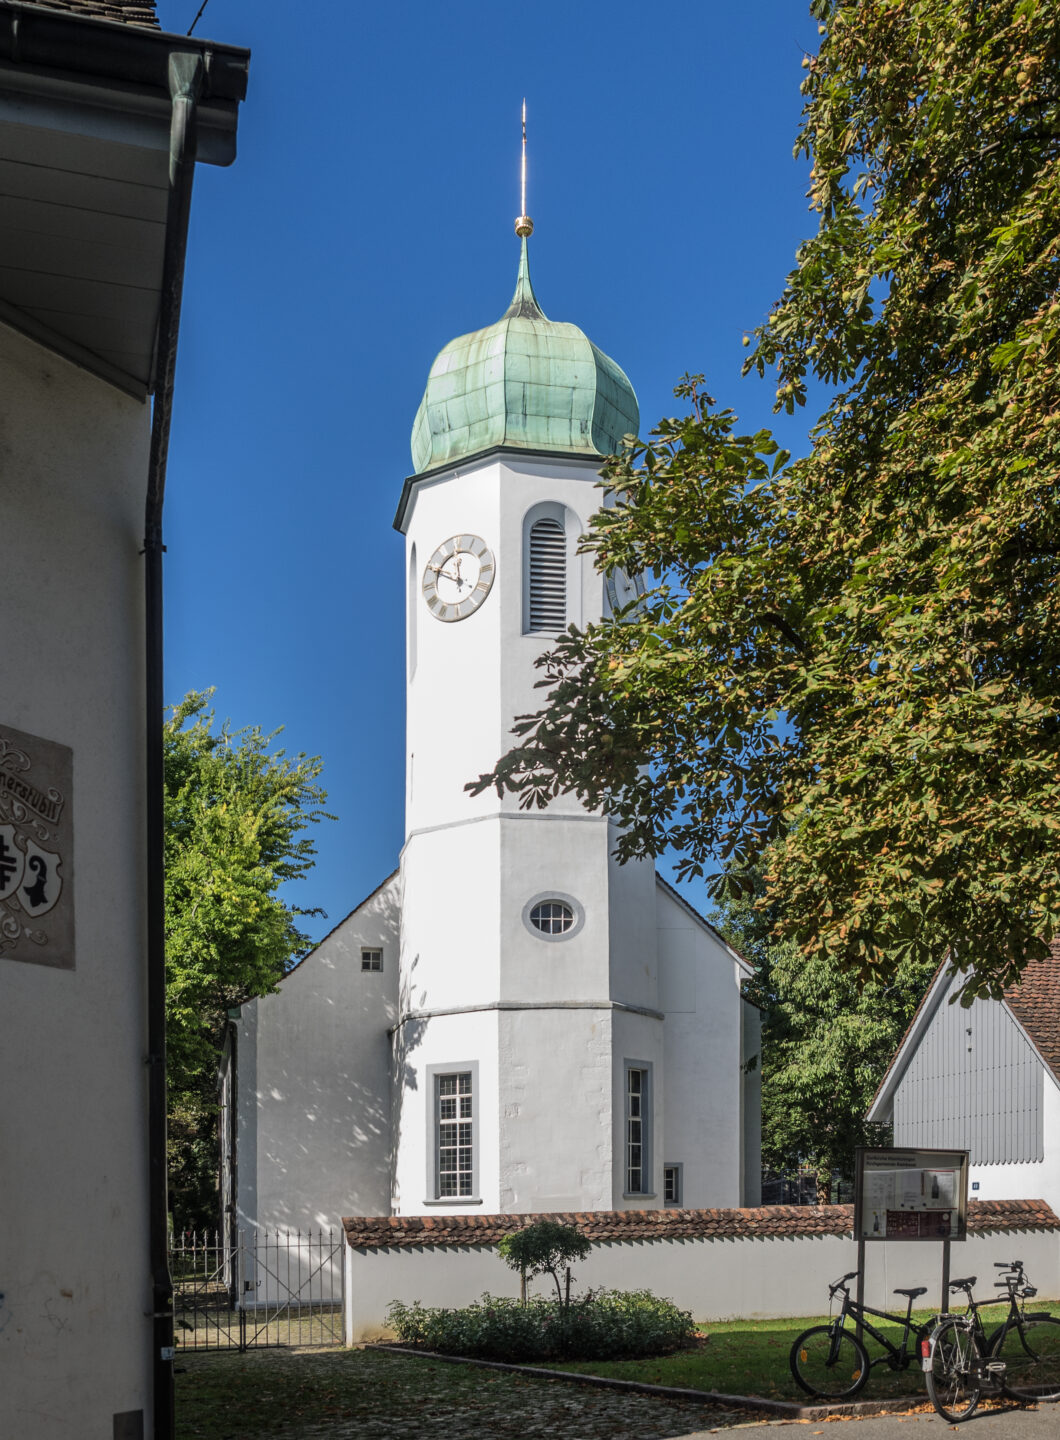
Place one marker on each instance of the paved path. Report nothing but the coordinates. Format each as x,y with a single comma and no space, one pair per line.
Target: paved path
1010,1423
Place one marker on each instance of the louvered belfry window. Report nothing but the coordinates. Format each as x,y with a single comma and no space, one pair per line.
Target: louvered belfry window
548,576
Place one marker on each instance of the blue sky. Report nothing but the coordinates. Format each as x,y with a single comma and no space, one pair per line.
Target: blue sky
366,222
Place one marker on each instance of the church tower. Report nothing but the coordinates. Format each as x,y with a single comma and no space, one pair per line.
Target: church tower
530,1034
513,1022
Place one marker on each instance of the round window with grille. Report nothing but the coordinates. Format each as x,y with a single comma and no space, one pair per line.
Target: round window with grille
553,916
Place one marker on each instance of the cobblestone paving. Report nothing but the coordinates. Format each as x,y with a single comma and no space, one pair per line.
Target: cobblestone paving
361,1395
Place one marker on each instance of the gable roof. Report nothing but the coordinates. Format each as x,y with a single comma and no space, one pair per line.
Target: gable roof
339,924
1033,1002
703,922
128,12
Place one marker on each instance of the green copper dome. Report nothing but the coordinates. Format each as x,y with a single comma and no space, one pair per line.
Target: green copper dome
527,382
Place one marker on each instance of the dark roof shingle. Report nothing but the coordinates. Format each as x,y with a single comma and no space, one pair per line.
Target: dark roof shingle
129,12
373,1232
1035,1002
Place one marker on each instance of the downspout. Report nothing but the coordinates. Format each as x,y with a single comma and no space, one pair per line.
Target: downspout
185,84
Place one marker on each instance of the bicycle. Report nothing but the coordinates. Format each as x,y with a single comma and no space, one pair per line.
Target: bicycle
1021,1357
1028,1345
956,1358
832,1362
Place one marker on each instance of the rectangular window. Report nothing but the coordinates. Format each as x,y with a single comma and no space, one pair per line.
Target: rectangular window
371,959
672,1184
454,1135
638,1120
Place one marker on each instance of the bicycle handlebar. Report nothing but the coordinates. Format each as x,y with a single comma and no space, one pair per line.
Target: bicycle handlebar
840,1284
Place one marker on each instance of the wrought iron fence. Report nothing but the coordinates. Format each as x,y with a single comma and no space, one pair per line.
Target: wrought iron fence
269,1288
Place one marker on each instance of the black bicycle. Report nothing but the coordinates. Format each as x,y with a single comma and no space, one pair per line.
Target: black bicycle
1021,1358
832,1362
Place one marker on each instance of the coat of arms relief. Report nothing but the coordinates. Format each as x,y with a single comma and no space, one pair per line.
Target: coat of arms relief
36,850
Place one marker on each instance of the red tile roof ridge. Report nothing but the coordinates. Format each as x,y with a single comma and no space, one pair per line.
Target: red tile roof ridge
762,1222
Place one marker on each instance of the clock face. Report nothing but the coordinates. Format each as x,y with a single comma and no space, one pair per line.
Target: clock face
458,577
623,589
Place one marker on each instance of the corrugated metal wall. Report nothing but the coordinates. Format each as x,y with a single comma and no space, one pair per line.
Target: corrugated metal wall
974,1084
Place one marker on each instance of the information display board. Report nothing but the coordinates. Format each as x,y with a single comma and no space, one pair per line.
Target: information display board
911,1194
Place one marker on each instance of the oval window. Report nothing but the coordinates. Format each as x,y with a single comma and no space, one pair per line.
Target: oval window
552,917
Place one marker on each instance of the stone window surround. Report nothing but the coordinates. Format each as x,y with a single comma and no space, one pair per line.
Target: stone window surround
546,895
647,1126
431,1076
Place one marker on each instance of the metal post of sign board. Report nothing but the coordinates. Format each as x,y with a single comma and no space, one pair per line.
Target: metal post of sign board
861,1283
945,1277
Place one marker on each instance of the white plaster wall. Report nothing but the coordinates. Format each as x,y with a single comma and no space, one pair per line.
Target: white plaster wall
699,991
545,855
313,1092
638,1038
555,1110
714,1279
449,1041
634,933
474,676
74,1267
450,937
1039,1181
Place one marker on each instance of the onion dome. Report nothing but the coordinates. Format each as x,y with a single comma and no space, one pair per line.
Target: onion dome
528,383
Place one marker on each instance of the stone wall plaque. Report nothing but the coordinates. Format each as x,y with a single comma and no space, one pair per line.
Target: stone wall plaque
36,850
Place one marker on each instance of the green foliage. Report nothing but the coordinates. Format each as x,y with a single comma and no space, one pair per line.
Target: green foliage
849,663
827,1039
235,812
541,1248
607,1325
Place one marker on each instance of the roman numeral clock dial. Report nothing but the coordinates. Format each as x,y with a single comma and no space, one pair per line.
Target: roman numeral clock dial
458,577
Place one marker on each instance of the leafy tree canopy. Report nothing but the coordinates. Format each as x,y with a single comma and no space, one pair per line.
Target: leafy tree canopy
827,1040
236,813
848,668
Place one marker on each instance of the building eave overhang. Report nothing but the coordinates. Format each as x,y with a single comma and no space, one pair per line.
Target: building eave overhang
462,462
85,119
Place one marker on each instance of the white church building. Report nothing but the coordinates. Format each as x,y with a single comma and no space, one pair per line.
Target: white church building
512,1022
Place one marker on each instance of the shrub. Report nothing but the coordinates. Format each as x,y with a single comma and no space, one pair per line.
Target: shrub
607,1325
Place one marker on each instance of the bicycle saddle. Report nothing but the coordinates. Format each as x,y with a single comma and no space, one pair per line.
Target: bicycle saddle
918,1290
956,1284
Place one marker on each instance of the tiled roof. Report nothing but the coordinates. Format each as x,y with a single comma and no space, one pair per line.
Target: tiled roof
1035,1002
131,12
373,1232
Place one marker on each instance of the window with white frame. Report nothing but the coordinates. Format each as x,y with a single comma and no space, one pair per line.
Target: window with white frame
672,1184
454,1112
371,959
547,607
638,1129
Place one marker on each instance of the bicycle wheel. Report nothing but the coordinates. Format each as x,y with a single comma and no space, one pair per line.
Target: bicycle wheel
953,1381
829,1362
1030,1350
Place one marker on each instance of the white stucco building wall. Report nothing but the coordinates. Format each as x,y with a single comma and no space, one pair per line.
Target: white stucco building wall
74,1270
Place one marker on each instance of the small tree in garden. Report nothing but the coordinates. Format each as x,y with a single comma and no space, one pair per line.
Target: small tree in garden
540,1249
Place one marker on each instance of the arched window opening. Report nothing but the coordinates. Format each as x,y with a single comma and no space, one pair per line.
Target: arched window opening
548,576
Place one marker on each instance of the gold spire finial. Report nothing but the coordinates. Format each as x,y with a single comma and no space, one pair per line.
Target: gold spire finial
524,226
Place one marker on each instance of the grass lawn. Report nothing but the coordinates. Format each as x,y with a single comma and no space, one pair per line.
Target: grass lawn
750,1357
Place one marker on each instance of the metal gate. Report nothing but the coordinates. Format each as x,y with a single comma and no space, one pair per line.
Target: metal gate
275,1288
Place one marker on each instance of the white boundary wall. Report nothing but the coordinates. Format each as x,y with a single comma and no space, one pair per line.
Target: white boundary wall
715,1278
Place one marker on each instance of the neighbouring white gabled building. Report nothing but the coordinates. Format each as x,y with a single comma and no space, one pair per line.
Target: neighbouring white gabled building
513,1020
985,1079
103,119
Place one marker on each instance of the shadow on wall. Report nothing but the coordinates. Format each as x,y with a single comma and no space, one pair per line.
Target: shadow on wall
406,1039
323,1081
